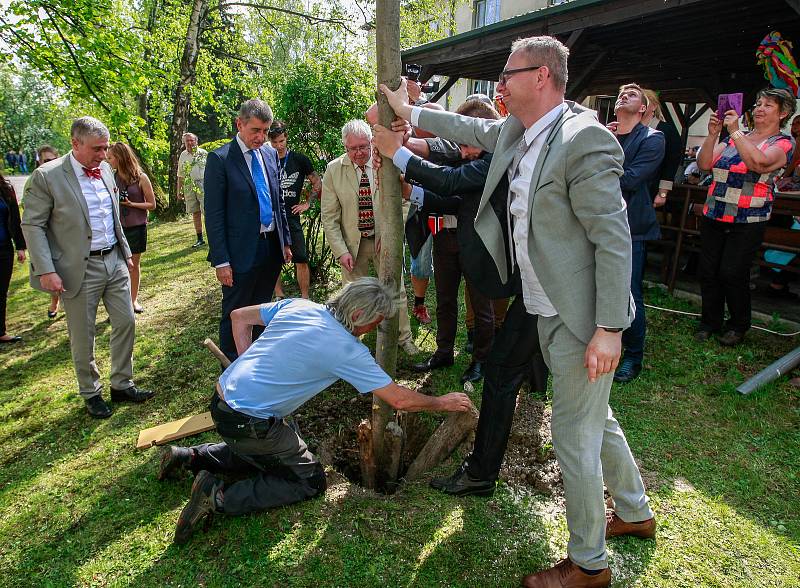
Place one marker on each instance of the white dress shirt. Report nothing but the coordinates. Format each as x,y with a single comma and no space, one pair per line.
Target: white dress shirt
248,159
519,177
101,208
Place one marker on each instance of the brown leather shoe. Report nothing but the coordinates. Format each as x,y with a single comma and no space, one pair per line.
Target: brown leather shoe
566,574
616,527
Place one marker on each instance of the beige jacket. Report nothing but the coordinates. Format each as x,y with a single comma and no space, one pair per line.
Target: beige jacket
340,207
56,224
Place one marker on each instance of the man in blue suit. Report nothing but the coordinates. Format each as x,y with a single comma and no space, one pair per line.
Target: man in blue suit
248,234
644,152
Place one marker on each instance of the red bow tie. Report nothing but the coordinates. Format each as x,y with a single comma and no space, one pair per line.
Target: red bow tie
92,173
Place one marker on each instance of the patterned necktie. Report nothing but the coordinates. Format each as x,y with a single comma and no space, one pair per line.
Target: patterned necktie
522,149
93,172
262,190
366,216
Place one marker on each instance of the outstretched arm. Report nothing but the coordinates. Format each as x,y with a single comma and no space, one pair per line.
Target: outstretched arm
402,398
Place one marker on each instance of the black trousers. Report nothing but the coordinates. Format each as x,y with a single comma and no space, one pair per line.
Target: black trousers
251,287
6,267
726,255
283,470
447,268
515,357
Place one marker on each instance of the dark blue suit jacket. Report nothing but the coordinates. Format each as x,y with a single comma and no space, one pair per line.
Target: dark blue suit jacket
644,151
231,207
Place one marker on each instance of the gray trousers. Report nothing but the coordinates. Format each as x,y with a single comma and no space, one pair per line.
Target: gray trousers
106,279
590,447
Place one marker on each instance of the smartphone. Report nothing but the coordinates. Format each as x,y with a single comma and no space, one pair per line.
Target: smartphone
726,102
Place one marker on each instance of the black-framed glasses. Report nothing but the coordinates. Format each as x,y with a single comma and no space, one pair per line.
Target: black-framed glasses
507,73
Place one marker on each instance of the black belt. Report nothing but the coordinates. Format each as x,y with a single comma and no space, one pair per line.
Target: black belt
101,252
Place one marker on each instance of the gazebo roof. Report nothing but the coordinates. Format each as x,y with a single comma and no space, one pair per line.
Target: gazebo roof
689,50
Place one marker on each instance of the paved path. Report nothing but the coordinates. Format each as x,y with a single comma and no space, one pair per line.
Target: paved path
18,182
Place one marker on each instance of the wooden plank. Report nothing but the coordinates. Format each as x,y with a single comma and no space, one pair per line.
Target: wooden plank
193,425
443,90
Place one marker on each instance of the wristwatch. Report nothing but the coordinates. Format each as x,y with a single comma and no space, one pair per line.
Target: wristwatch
614,330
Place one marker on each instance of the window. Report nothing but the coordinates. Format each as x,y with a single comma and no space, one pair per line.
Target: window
485,12
483,87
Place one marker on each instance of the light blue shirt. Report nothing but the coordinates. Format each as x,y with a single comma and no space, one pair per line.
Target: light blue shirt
302,351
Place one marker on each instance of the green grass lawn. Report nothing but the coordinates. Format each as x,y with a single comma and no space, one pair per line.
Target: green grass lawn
79,505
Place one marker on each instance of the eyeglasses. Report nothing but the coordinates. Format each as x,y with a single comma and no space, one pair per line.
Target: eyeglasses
507,73
361,148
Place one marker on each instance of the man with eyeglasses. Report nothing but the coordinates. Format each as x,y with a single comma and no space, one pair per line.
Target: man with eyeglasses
570,240
351,216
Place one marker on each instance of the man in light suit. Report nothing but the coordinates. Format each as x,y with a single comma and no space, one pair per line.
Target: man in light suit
571,242
78,250
351,216
248,234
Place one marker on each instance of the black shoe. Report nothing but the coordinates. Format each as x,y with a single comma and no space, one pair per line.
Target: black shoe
51,314
470,345
200,505
11,341
626,371
461,484
702,335
474,373
198,243
730,338
132,394
173,459
97,407
435,361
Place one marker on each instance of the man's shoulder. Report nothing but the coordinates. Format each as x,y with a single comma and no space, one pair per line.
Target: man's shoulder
336,164
223,151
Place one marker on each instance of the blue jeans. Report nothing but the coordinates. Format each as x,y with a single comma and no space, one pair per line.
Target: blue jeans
422,264
633,336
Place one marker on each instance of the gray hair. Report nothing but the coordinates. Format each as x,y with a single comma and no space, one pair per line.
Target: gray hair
369,295
255,108
87,126
357,128
547,51
185,135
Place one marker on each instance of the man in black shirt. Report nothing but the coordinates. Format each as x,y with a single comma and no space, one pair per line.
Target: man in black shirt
294,168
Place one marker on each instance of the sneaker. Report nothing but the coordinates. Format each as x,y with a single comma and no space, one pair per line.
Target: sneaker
626,371
198,243
420,313
200,505
408,347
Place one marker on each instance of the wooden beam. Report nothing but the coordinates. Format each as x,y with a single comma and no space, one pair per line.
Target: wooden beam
578,84
574,39
668,115
696,116
795,5
451,81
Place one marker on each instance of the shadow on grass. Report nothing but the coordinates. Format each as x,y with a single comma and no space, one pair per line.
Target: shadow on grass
685,420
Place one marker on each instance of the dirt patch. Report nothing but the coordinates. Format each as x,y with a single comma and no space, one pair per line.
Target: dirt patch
530,460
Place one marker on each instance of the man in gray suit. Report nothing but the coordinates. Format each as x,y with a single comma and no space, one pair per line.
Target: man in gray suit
571,242
78,250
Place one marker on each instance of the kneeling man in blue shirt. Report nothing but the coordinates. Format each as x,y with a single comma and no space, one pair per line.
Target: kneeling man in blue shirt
304,348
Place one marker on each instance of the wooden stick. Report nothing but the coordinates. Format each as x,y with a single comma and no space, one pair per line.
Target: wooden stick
364,434
217,352
393,438
443,442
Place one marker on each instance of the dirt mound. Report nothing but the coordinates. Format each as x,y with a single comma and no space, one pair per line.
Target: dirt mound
530,460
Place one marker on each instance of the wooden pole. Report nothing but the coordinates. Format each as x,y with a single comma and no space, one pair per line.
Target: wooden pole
443,442
387,39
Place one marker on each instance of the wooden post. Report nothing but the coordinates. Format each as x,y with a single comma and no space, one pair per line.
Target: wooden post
387,39
443,442
366,454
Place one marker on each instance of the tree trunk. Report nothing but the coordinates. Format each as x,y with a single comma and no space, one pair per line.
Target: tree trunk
180,112
387,39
